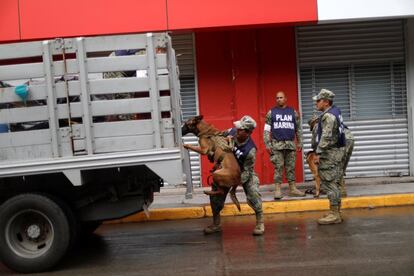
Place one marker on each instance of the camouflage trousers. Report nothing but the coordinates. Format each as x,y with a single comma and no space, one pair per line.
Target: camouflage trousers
330,172
251,189
284,159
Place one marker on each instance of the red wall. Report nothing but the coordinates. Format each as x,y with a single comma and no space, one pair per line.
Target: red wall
194,14
239,73
52,18
39,19
9,20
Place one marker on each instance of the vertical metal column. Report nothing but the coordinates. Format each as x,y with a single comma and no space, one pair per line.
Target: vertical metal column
154,93
176,103
409,58
175,92
86,101
51,98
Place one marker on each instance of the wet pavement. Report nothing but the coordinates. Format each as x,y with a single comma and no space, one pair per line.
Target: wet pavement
369,242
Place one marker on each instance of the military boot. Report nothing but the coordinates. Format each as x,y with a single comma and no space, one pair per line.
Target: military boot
278,192
293,191
342,188
333,217
259,229
215,227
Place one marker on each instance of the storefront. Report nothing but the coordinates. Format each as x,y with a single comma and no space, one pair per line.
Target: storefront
232,64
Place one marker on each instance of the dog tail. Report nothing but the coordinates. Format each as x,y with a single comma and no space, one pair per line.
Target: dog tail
234,197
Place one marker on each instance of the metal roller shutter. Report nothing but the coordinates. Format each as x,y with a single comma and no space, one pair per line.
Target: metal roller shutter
184,48
364,65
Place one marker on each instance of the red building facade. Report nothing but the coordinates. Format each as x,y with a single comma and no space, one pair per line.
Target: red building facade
239,73
247,51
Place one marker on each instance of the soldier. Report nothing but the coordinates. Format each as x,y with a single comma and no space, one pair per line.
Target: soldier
349,147
281,127
245,152
330,142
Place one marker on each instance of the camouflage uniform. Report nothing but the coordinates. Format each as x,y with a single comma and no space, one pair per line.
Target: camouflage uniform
249,180
283,154
250,183
329,158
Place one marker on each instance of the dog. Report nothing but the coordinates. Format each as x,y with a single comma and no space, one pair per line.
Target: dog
226,172
310,159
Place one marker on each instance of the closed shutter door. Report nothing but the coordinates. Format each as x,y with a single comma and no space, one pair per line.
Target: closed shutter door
184,49
364,65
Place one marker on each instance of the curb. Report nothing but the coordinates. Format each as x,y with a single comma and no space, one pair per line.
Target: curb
271,207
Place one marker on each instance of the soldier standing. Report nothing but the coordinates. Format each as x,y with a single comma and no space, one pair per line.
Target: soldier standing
245,153
349,147
330,142
281,127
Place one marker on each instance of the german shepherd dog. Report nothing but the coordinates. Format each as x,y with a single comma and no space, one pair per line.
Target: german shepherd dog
310,159
226,172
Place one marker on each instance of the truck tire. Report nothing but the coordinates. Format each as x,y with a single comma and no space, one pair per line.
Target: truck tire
74,224
34,233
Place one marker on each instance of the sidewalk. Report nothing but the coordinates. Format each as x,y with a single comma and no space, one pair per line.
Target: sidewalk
171,204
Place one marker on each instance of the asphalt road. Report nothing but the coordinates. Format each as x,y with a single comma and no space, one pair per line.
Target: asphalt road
369,242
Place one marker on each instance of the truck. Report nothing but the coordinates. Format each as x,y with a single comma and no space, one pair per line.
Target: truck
90,128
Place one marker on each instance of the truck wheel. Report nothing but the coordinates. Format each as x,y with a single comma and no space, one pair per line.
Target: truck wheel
74,225
34,233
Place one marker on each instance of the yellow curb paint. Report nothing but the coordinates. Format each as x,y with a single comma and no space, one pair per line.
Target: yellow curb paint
272,207
295,206
231,210
378,201
164,214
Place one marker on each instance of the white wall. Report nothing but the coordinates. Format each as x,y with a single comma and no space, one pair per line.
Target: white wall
348,10
410,88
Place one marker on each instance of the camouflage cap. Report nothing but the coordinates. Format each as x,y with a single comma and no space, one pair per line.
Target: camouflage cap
324,94
246,122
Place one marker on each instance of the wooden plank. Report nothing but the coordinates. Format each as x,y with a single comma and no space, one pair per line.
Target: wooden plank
118,85
117,63
25,138
25,153
126,106
98,108
115,144
21,71
26,114
123,128
38,92
111,43
123,63
125,85
21,50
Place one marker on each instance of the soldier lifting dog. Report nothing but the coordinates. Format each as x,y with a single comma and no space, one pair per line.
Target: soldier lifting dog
234,154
